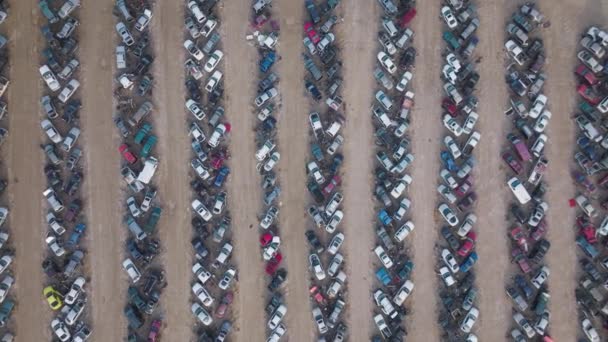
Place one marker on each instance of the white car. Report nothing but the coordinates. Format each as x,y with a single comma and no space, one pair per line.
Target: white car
469,123
195,109
469,320
453,61
541,277
201,210
384,303
585,205
5,287
524,324
590,331
121,57
404,291
3,215
450,261
446,193
449,73
448,214
405,80
313,169
5,262
404,206
213,81
213,60
539,145
193,69
202,295
277,333
131,270
467,224
76,289
200,169
315,264
269,217
197,12
124,34
317,316
68,90
3,237
590,62
218,132
334,265
266,96
133,207
143,20
383,256
49,78
60,330
193,50
68,28
54,245
448,17
537,215
201,314
448,178
404,231
542,323
452,125
335,243
541,123
538,106
272,161
450,143
227,278
334,221
208,27
446,276
70,139
52,221
75,311
386,61
516,52
276,317
324,43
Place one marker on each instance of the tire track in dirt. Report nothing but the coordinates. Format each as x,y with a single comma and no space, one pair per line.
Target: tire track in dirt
359,44
244,192
25,165
102,181
426,133
174,227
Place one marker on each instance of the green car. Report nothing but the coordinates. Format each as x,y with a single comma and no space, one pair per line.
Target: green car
150,225
150,142
5,311
142,133
47,12
451,40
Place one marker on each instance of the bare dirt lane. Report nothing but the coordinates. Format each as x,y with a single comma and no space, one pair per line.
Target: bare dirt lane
244,191
293,142
102,173
358,32
26,179
492,243
175,230
426,131
562,42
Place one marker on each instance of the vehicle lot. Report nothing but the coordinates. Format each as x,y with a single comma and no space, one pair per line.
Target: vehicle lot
250,306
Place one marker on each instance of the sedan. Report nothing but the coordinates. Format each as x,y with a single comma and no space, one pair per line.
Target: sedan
383,256
448,17
449,260
126,154
49,77
334,221
335,243
201,314
193,50
76,289
68,90
51,131
60,330
5,287
450,143
277,316
201,210
386,61
541,124
452,125
315,265
469,320
405,80
124,34
213,60
272,161
266,96
448,214
446,276
538,106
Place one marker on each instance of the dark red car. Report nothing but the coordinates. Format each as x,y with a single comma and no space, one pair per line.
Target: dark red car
315,293
333,183
540,231
586,74
128,155
513,163
587,229
518,235
273,264
467,246
265,239
521,259
221,310
587,92
407,17
450,107
464,187
312,34
155,330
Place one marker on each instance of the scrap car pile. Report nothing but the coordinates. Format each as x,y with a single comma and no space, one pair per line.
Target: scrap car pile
391,121
65,287
322,60
211,299
457,255
529,113
133,93
591,178
7,302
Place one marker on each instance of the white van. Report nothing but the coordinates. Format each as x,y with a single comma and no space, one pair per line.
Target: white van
334,128
519,190
389,27
147,173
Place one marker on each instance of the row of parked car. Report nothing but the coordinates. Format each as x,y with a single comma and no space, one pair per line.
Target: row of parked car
7,279
590,177
323,82
213,273
390,113
529,112
133,97
457,197
64,289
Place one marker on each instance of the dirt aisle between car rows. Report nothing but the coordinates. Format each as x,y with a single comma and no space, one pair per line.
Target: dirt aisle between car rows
102,173
358,32
426,132
492,243
26,179
568,20
244,192
293,143
174,154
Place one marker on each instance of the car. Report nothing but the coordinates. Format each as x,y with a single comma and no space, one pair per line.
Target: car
326,41
54,245
76,289
202,295
315,171
469,320
193,50
313,240
400,186
194,70
74,312
266,96
537,215
448,16
277,316
131,270
197,12
220,203
124,34
51,131
311,32
588,93
208,27
333,222
404,231
334,265
127,154
404,291
317,316
60,330
201,210
538,106
70,139
383,256
200,313
335,243
213,81
452,125
218,132
49,78
541,277
446,193
446,276
583,202
213,60
467,224
269,217
590,331
516,52
447,177
449,260
382,326
143,20
53,297
226,281
386,62
387,44
448,214
315,264
5,286
277,333
593,64
68,90
542,323
67,29
450,143
524,324
541,123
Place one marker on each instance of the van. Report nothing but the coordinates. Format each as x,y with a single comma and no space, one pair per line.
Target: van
405,37
389,27
134,228
334,317
334,128
147,173
519,190
53,200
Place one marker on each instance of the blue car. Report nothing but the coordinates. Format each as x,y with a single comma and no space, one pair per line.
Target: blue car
448,161
469,262
267,62
221,176
384,217
76,234
383,276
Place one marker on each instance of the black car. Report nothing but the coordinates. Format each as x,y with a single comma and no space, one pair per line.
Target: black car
314,242
519,214
313,90
277,280
408,58
73,183
199,248
450,238
540,250
134,318
71,110
194,90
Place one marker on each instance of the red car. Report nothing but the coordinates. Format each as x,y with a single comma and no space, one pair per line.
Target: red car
468,244
589,94
521,259
587,229
518,235
273,264
128,155
221,310
315,293
333,183
217,160
513,163
155,330
586,74
407,17
464,187
450,107
265,239
540,231
312,34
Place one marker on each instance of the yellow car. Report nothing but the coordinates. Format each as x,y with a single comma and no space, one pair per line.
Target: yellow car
52,297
